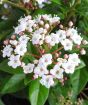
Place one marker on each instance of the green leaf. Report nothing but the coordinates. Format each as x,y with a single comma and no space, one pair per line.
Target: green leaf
38,94
56,1
28,79
5,34
85,102
82,65
14,84
78,81
1,103
4,67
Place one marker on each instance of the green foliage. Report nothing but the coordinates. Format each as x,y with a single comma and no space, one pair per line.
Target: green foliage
4,67
14,84
15,80
38,94
1,103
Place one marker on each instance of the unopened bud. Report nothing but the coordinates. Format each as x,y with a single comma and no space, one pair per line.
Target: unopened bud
13,37
83,52
66,56
41,22
47,26
61,26
78,46
6,42
57,55
70,24
85,42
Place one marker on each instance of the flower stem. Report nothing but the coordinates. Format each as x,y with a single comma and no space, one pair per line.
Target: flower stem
57,50
34,55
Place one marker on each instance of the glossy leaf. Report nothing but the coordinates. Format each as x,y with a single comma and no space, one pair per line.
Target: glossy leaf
14,84
78,81
1,103
4,67
38,94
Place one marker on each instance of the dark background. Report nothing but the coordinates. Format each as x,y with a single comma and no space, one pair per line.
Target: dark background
9,99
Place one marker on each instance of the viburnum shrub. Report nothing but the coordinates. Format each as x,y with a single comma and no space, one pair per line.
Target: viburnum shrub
47,65
44,50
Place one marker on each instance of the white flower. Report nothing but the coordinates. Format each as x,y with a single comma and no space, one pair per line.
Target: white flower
20,28
46,17
76,39
67,44
13,42
71,32
40,2
57,72
54,19
23,39
61,35
47,81
4,17
28,68
48,39
61,61
30,24
52,39
73,58
26,1
21,49
14,61
68,67
39,31
40,70
36,38
7,51
45,60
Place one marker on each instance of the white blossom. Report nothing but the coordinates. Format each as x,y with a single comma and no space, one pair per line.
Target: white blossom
24,39
36,38
20,28
52,39
13,42
55,19
26,1
67,44
40,70
7,51
47,81
57,72
68,67
14,61
45,60
71,32
73,58
28,68
61,35
76,39
21,49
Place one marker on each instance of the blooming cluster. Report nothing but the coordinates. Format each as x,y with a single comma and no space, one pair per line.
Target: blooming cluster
40,3
47,66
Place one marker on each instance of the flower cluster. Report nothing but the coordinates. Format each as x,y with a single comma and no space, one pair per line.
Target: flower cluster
39,31
15,49
40,3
